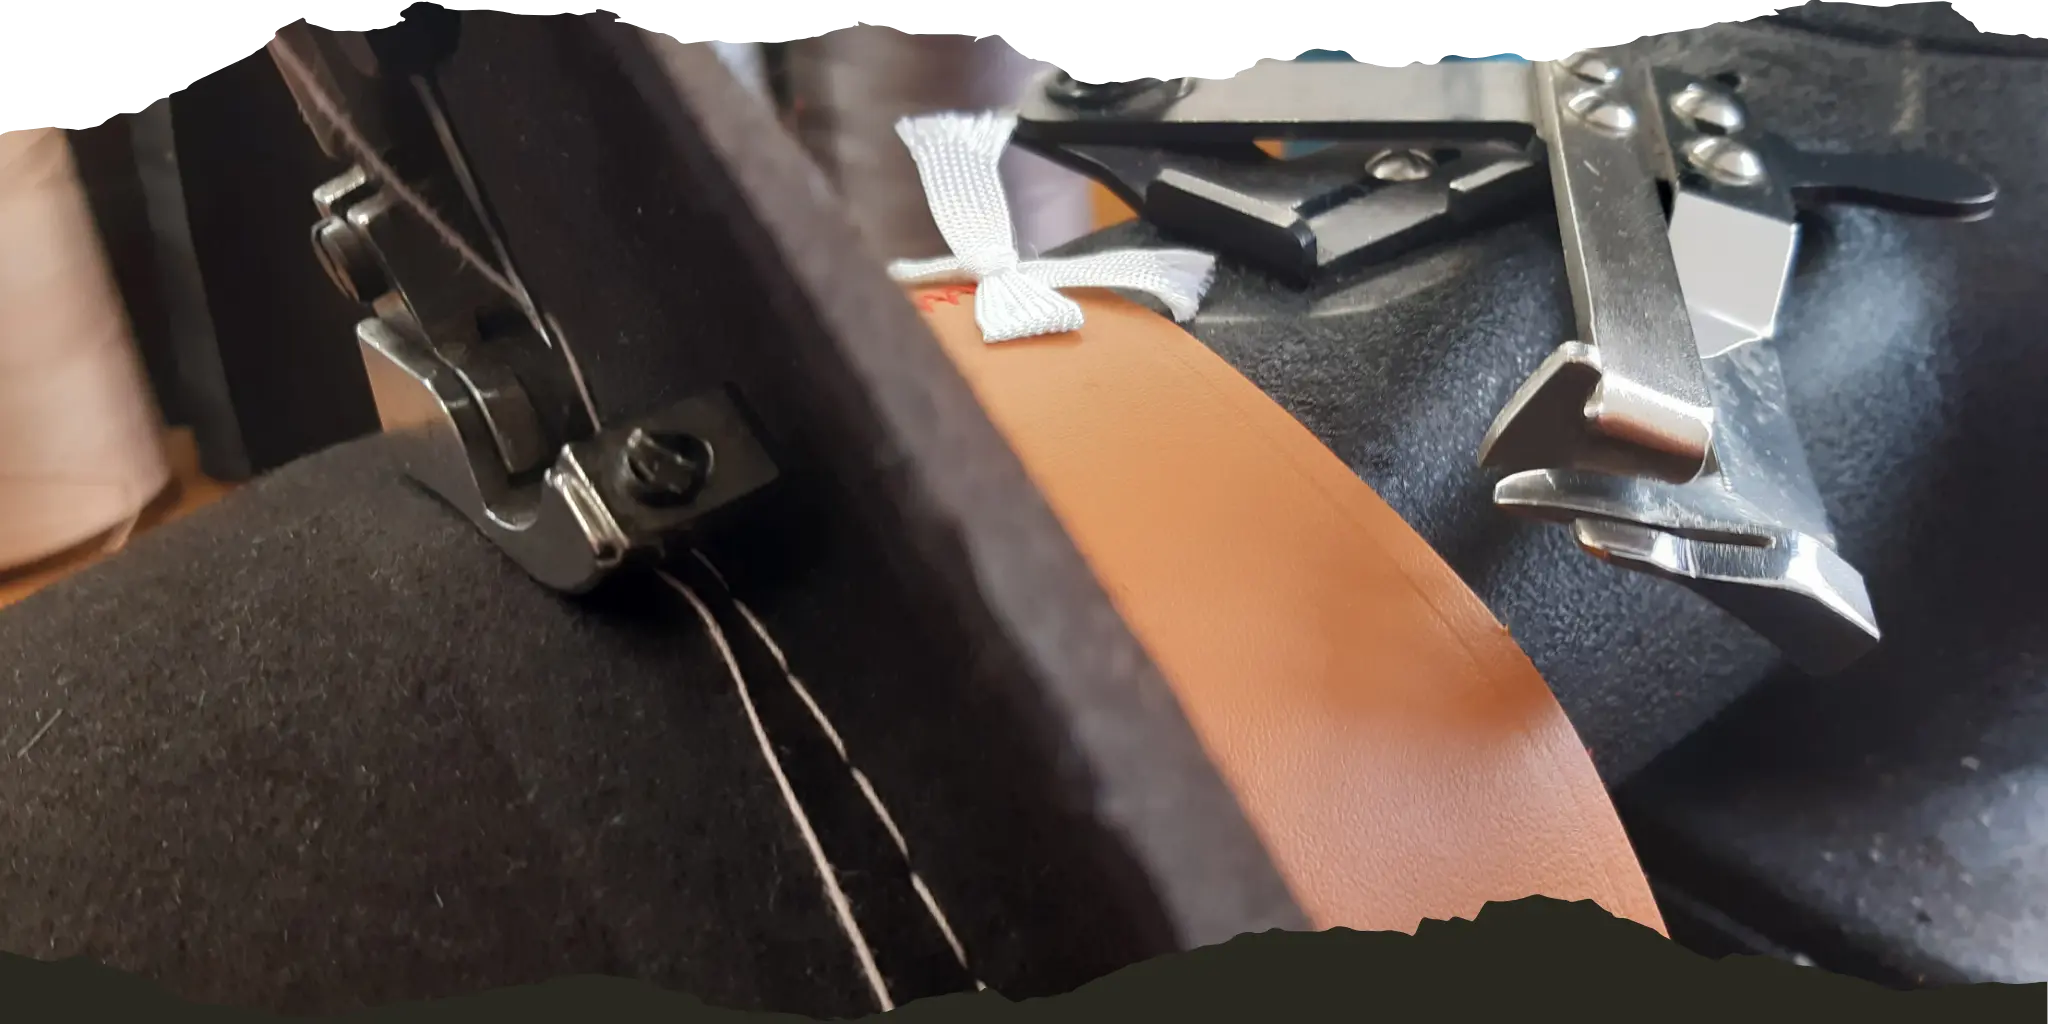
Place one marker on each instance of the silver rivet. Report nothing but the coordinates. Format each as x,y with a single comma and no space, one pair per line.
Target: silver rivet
1725,160
1709,109
1592,66
1401,165
1601,112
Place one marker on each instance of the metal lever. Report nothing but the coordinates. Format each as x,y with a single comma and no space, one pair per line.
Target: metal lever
1660,432
1422,151
1341,207
1411,155
1447,104
1629,393
1751,533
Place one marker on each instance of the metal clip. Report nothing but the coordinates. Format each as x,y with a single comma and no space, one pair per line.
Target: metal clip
1629,392
568,503
1410,155
1750,533
483,402
1417,153
1660,433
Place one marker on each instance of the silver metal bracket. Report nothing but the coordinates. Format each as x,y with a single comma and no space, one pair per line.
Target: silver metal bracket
569,503
1660,433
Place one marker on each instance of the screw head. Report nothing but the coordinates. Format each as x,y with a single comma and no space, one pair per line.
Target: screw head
663,468
1709,110
1593,66
1725,160
1068,92
1401,165
1602,112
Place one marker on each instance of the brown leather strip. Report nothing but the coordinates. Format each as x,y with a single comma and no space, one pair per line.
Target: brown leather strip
1392,744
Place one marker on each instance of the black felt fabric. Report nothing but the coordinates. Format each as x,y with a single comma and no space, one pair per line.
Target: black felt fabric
1040,768
323,746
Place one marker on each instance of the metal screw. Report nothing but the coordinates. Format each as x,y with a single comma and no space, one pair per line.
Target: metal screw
1401,165
1725,160
1596,109
1709,109
1067,92
1592,66
348,259
663,468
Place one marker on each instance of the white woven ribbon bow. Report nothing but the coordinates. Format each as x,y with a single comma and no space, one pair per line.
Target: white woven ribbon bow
957,158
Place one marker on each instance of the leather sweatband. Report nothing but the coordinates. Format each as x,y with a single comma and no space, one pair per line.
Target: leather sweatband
1395,749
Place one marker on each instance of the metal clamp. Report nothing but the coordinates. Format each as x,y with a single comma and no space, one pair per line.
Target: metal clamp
569,504
484,404
1420,152
1750,532
1412,154
1660,434
1629,390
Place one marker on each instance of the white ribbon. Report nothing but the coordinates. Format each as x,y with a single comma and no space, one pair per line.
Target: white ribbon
957,158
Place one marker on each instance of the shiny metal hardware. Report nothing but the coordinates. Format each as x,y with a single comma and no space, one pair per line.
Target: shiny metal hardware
1750,533
483,401
1629,391
1408,155
1660,433
568,503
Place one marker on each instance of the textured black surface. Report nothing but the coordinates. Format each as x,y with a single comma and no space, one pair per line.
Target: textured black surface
1401,370
1892,819
322,746
1889,820
1400,373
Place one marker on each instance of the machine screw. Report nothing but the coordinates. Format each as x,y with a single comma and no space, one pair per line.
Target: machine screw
1401,165
1067,92
663,468
1725,160
1593,66
1602,112
1709,110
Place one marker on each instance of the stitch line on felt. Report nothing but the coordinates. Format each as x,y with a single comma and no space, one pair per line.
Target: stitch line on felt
827,875
860,778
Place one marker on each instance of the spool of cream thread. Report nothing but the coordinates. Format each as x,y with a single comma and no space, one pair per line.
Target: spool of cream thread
81,440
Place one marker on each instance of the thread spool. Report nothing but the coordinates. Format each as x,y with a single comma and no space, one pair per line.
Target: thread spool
81,440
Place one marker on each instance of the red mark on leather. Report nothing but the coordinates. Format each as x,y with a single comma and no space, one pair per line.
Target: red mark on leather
949,294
